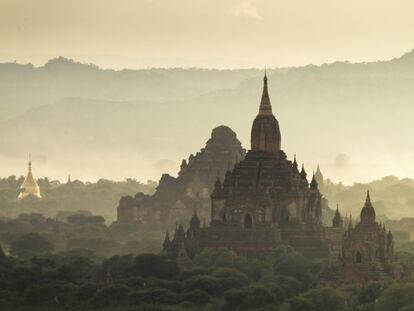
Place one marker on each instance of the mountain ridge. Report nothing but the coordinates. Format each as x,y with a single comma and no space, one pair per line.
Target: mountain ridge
326,113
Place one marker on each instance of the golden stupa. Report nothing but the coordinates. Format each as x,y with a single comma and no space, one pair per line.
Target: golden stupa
29,186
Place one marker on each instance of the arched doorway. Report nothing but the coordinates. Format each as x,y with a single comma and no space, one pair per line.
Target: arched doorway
248,221
284,217
358,257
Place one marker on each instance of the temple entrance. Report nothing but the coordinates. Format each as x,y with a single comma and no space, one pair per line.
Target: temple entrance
248,221
284,217
358,257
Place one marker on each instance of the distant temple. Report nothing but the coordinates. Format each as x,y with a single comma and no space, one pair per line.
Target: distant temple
367,251
264,200
177,197
29,188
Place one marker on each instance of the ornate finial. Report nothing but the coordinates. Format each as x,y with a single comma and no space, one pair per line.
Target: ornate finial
265,105
368,200
30,162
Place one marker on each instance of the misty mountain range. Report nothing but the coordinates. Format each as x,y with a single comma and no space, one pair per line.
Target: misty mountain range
354,119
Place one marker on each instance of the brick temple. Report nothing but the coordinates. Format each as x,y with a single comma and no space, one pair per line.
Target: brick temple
265,200
176,197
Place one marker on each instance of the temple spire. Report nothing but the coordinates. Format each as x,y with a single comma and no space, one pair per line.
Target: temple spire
295,165
265,135
30,163
303,172
337,221
314,183
368,199
265,105
368,212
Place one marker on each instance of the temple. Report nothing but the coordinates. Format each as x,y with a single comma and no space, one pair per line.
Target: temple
367,251
264,200
29,188
176,197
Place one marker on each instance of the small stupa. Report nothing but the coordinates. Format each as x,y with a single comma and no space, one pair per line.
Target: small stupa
29,186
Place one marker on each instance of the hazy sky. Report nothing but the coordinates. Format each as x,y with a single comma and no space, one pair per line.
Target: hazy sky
206,33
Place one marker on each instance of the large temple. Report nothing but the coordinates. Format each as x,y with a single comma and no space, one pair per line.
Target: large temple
29,188
177,197
264,200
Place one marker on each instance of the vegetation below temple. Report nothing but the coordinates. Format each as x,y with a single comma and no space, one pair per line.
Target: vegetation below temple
76,261
219,281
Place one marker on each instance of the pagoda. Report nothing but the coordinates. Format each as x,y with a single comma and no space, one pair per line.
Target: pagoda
29,188
265,201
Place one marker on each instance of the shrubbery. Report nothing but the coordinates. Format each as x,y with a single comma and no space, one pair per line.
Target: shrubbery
286,281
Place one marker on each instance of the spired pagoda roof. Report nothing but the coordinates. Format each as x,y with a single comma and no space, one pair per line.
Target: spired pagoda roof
266,166
265,133
368,212
29,186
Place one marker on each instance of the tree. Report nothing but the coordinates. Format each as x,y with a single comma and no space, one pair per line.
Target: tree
290,263
327,299
300,303
369,293
150,265
259,296
111,295
396,297
197,297
207,283
29,245
72,269
234,298
49,294
87,290
153,295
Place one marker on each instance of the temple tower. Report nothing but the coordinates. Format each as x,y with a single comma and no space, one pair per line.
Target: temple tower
265,134
368,212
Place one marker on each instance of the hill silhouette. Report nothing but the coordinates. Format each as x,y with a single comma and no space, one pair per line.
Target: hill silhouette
115,124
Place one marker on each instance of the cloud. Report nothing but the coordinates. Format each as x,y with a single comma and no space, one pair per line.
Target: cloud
246,9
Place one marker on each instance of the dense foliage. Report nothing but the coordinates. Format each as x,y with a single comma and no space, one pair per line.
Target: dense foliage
79,232
219,280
